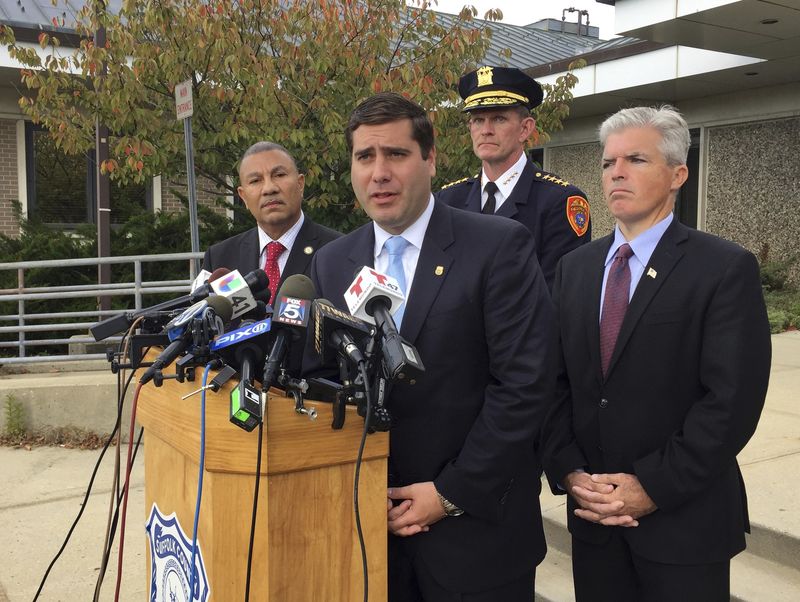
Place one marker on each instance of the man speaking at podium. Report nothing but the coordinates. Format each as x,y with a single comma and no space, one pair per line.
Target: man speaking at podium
463,514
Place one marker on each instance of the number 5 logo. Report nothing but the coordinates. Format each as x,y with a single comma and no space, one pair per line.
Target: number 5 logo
291,311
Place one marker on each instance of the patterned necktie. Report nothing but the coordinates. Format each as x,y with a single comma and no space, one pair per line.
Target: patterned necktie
615,304
395,246
274,250
489,206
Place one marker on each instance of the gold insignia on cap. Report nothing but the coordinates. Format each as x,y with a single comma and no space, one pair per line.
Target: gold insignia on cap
439,270
484,76
494,98
308,250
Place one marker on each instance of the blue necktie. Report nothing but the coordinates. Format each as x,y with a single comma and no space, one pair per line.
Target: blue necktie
395,246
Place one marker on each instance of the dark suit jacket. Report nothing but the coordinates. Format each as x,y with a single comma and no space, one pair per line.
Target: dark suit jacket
483,327
241,252
539,202
682,396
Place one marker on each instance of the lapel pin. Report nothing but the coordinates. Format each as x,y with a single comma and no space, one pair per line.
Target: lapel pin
439,270
651,272
308,250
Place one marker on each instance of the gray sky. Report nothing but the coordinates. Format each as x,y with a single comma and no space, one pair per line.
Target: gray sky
522,12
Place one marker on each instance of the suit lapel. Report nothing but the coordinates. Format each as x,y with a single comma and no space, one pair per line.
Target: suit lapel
249,252
664,258
298,259
594,283
519,195
362,251
433,266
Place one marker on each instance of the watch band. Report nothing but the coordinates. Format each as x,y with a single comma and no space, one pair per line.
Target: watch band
450,509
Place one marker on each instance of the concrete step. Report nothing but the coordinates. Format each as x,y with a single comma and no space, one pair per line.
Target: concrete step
755,579
63,399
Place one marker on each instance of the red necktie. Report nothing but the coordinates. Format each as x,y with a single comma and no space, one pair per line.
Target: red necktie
274,250
615,304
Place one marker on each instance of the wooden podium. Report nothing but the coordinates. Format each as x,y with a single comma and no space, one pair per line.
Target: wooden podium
306,547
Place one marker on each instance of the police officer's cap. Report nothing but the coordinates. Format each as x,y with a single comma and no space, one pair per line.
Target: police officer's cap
498,87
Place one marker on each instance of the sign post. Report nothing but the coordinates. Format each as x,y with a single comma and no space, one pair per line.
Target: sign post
184,109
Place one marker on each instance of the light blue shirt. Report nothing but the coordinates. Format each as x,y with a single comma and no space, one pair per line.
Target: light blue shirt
642,247
414,234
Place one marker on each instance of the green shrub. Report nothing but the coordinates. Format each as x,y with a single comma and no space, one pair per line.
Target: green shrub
778,320
15,419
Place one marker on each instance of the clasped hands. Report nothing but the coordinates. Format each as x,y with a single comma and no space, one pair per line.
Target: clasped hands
609,499
418,509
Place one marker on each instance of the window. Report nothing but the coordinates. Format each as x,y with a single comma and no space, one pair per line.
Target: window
61,188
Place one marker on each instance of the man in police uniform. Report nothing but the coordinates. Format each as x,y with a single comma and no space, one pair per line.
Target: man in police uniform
499,101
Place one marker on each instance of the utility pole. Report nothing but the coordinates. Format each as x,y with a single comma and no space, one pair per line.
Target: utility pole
102,184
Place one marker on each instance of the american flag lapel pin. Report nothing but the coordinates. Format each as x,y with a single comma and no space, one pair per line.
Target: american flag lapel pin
652,273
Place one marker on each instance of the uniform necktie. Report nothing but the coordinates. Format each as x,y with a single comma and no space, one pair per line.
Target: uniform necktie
615,303
395,246
274,250
489,205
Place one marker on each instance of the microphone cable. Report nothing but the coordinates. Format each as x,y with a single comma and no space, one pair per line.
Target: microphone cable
368,414
200,470
255,510
84,503
115,498
125,489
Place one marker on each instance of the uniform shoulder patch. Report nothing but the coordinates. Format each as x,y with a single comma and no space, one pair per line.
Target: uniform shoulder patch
462,180
578,214
553,179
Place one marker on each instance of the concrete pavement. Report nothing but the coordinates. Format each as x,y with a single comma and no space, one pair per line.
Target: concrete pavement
41,492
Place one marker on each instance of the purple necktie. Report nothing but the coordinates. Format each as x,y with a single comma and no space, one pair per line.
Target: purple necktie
615,304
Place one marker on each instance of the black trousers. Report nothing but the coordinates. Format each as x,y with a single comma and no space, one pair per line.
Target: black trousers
612,572
411,581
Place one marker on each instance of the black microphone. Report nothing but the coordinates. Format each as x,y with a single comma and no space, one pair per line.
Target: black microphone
214,310
336,331
289,321
248,352
111,326
374,295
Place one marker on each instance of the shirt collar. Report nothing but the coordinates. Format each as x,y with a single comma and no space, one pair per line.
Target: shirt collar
644,244
287,238
509,178
414,234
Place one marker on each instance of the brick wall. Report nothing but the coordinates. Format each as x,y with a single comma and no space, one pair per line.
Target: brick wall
9,191
206,192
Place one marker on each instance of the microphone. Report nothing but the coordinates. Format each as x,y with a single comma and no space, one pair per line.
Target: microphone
211,314
374,297
240,290
289,321
111,326
337,331
246,348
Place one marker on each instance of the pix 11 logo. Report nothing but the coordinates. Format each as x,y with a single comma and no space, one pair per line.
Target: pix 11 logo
171,554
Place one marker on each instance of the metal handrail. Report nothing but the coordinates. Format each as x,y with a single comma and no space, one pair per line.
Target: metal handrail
138,289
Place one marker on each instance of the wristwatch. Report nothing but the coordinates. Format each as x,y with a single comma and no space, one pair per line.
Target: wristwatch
450,509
